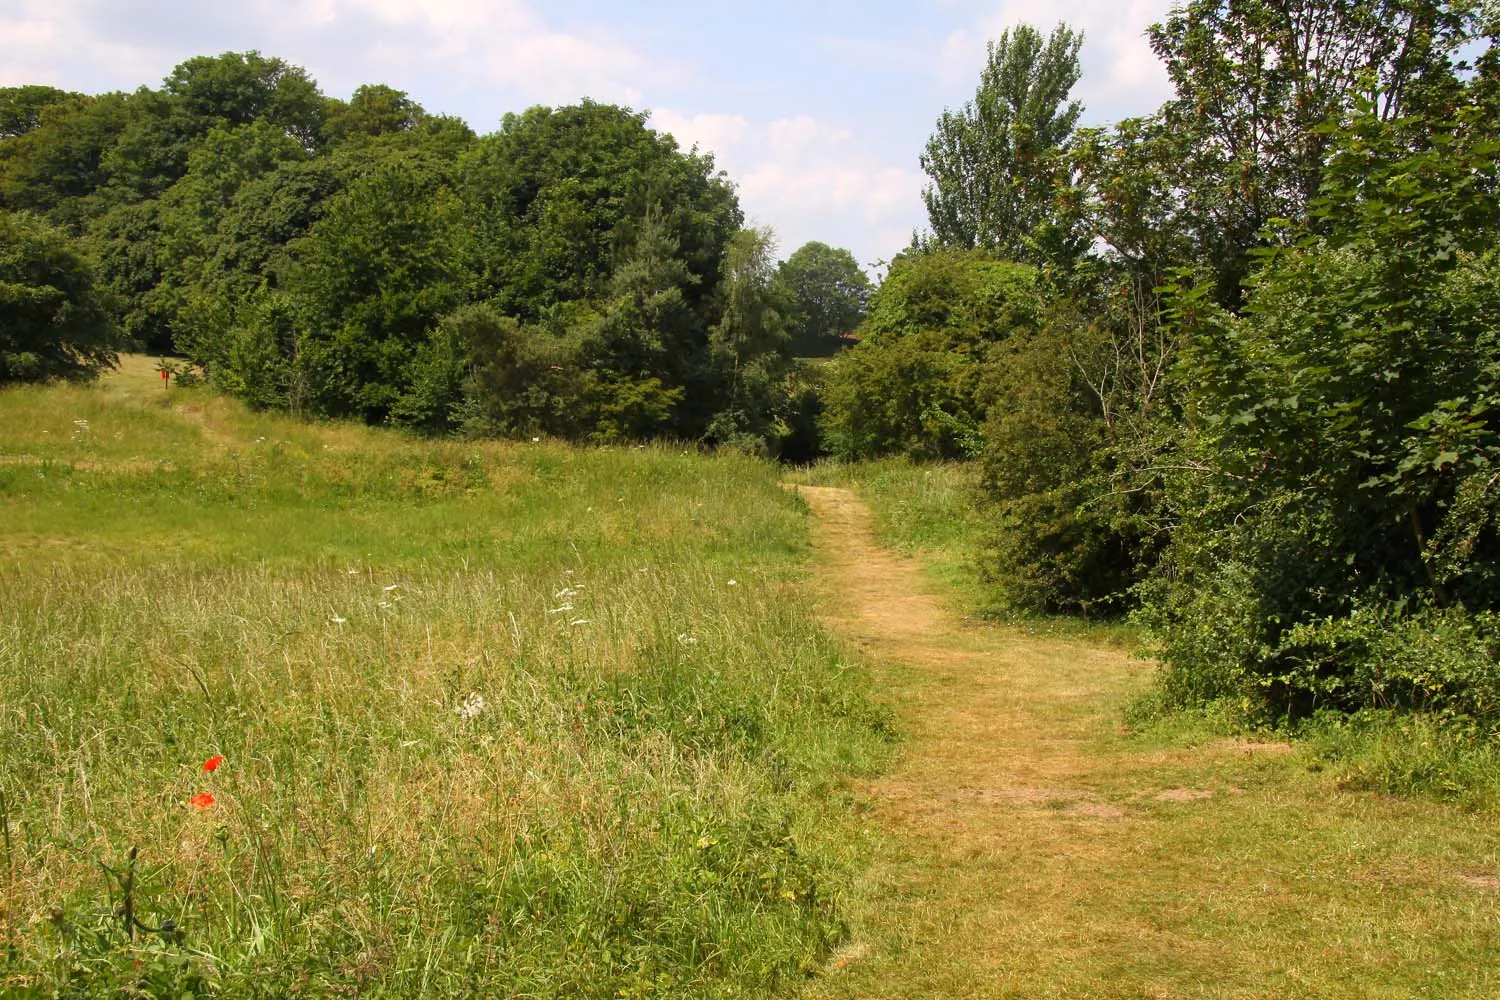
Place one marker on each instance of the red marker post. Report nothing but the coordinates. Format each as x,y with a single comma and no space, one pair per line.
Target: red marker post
165,379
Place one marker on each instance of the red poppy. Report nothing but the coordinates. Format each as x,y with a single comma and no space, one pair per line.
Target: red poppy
201,801
212,764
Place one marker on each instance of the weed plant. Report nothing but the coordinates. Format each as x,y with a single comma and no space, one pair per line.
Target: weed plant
499,719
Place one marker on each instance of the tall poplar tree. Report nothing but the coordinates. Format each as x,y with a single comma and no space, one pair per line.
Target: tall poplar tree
995,163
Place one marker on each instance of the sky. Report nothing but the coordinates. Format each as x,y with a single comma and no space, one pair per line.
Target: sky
818,111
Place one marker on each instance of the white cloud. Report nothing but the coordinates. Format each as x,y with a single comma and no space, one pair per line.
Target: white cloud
1121,75
42,43
810,179
711,133
506,47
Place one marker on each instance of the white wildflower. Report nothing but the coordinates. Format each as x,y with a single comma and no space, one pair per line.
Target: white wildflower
565,606
565,592
352,572
471,707
337,620
734,583
383,604
390,588
580,621
687,640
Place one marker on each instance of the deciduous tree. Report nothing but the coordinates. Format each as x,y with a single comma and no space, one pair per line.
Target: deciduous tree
1257,80
995,163
829,294
52,324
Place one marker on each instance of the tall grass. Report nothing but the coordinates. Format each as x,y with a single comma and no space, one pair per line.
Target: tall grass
495,719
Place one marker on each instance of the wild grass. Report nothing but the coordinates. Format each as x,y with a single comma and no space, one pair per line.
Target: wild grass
499,719
1413,755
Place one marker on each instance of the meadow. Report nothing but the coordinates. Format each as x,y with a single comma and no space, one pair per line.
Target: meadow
494,719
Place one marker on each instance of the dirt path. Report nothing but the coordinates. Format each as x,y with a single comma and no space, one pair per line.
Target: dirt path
1025,846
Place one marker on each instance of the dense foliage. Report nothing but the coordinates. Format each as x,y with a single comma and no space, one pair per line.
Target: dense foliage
829,295
914,384
573,274
1340,548
53,322
1256,400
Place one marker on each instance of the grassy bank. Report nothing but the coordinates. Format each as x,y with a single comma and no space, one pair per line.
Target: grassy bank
494,719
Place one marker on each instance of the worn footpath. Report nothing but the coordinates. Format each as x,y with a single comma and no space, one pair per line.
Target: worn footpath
1026,845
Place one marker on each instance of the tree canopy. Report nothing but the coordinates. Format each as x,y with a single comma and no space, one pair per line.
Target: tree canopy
53,321
368,259
829,294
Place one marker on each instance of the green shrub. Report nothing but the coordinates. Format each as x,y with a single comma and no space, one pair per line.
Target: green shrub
53,323
1067,477
914,383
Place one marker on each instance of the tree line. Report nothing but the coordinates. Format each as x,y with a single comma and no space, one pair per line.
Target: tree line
1232,367
574,273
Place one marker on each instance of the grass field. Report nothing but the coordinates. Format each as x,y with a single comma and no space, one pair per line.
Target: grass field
539,721
495,719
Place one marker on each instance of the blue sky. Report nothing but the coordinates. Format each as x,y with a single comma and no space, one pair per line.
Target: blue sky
818,110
